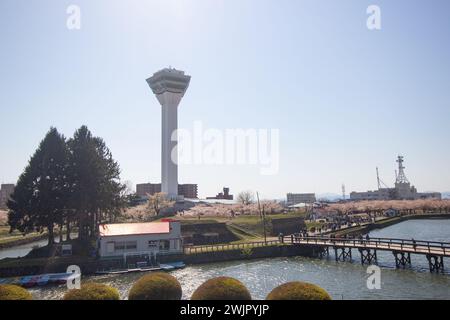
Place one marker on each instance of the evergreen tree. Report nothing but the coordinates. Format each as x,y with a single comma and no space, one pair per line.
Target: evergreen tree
39,200
96,191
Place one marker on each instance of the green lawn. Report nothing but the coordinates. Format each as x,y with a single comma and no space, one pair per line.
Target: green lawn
242,234
246,227
6,237
255,226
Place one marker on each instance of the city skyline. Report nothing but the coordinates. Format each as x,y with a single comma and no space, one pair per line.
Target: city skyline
345,99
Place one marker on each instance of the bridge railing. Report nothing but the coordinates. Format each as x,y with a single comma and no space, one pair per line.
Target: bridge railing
382,243
228,246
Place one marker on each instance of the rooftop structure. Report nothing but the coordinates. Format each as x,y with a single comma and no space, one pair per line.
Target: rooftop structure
225,195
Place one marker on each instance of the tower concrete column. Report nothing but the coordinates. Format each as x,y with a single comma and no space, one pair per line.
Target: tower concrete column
169,86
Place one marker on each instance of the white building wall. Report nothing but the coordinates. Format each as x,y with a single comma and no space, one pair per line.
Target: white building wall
294,198
142,243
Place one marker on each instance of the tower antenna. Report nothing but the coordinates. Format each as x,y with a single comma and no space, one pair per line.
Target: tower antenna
401,177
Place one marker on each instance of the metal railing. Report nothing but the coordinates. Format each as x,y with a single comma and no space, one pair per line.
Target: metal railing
229,246
393,244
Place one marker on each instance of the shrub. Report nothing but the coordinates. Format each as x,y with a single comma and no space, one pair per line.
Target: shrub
12,292
93,291
156,286
298,291
222,288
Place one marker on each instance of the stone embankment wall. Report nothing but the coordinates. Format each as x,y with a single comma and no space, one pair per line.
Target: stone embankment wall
287,226
249,254
207,233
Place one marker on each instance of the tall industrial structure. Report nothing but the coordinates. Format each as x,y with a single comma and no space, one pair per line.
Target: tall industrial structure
402,190
169,85
401,177
403,187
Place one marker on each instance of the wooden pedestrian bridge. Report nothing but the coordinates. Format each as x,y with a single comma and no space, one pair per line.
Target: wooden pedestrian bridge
320,246
368,247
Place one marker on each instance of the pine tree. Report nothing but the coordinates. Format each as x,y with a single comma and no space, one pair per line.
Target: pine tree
39,200
96,191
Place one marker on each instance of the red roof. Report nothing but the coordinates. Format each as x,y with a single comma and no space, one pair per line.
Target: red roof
123,229
169,220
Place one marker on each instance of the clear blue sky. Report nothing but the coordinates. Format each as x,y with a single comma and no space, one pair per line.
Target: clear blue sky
345,99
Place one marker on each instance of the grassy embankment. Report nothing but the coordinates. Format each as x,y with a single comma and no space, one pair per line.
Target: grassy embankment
8,239
16,238
247,228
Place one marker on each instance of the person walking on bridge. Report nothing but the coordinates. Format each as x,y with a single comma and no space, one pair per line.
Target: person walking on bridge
414,243
360,237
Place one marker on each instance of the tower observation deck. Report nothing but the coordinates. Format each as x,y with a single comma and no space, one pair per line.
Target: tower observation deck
169,85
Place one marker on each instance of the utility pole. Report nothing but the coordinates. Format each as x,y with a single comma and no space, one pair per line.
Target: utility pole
259,205
263,217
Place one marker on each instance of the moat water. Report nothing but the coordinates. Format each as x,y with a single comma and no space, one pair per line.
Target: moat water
343,280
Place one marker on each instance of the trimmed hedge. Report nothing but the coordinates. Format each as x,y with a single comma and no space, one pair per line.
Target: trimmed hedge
156,286
222,288
93,291
298,291
13,292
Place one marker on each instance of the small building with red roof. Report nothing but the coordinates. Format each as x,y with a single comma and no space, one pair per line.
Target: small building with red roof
140,239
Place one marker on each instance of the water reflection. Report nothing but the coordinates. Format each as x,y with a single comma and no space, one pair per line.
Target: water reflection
343,280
